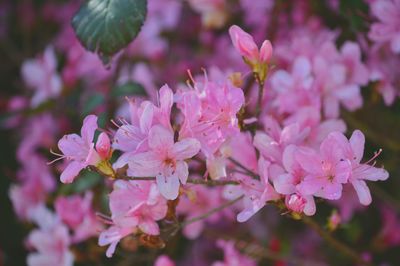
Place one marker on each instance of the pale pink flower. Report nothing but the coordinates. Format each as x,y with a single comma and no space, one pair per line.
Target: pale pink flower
76,212
287,184
132,138
112,236
164,160
272,143
79,150
52,245
137,204
362,171
327,170
256,192
210,113
41,75
387,30
134,205
232,257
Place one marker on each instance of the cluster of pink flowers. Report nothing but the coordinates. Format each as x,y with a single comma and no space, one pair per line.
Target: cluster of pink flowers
260,126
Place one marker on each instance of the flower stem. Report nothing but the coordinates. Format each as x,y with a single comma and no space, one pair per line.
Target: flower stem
190,180
211,212
247,170
260,97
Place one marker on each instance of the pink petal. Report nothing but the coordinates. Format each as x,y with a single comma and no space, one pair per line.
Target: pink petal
72,145
283,184
182,171
150,227
186,148
71,171
243,42
363,192
309,160
88,128
309,208
146,118
266,51
357,142
144,164
160,138
168,186
301,67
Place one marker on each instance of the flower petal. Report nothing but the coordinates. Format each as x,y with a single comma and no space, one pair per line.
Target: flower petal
186,148
71,171
168,186
363,192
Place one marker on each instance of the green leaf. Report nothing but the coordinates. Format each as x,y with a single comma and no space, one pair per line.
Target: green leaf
85,181
93,102
107,26
127,89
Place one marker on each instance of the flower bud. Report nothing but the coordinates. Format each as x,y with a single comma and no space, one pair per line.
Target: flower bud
103,146
295,203
244,43
266,52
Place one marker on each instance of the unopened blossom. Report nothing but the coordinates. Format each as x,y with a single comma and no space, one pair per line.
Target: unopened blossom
164,260
165,160
257,59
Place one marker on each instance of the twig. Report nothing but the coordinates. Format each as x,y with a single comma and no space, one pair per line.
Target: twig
211,212
247,170
190,180
343,248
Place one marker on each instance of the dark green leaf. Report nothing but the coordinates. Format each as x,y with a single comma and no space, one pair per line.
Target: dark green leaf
85,181
93,102
129,89
107,26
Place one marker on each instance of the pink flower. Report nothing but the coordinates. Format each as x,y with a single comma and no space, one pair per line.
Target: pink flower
256,192
134,205
287,184
41,75
137,204
387,30
164,160
79,150
103,146
362,171
210,113
112,236
132,138
272,143
76,212
327,170
52,247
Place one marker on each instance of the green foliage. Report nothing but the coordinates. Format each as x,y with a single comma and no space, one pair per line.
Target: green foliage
107,26
93,102
129,89
86,180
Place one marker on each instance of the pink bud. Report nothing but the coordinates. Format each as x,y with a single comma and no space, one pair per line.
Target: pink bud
295,203
244,43
266,51
103,145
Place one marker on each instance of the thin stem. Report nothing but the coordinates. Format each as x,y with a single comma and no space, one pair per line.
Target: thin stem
260,97
190,180
343,248
247,170
211,212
